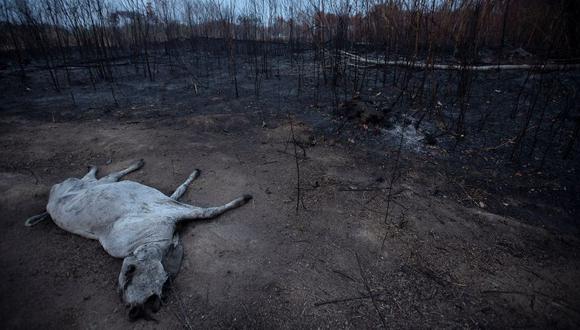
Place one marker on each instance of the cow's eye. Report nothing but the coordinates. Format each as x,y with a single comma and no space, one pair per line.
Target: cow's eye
130,270
129,275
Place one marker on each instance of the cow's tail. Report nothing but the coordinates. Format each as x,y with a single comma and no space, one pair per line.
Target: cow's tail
36,219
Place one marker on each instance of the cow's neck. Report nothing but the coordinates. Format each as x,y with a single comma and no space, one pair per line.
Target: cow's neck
152,250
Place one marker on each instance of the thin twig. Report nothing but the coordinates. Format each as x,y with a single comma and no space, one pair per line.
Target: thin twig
185,321
298,195
370,294
394,177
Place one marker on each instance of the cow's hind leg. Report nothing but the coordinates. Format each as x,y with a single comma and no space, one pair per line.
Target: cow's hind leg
212,212
115,176
183,187
36,219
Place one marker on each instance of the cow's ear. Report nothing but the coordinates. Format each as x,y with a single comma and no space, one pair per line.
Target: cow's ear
172,258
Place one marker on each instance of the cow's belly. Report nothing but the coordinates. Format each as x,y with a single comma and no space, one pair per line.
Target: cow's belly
90,209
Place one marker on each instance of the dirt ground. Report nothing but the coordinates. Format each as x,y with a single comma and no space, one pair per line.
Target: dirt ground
441,259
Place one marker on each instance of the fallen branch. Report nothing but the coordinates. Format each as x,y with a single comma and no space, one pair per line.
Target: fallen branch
421,65
554,300
501,145
340,300
361,189
81,66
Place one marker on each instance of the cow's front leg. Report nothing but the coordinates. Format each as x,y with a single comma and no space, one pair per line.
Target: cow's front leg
183,187
115,176
91,175
212,212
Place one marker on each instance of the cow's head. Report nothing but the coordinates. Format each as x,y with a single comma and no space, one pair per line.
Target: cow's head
143,276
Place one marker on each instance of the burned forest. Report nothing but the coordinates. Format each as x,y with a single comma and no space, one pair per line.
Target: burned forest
289,164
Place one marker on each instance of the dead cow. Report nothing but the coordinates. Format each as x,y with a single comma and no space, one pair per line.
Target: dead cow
131,221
